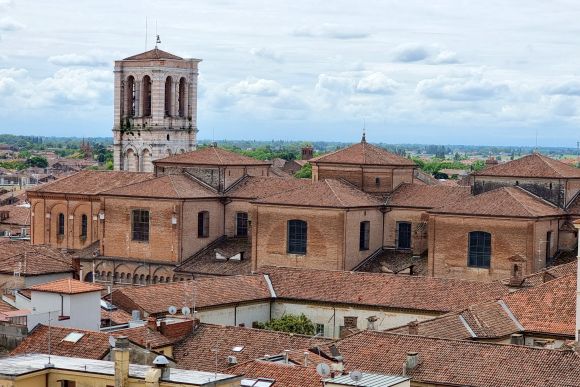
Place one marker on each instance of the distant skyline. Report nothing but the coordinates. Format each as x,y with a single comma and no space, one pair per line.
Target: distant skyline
435,72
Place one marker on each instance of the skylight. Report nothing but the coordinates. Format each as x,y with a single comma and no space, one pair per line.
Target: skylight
73,337
238,348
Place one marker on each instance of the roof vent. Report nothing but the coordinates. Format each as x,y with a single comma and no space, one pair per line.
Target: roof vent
135,315
412,360
160,361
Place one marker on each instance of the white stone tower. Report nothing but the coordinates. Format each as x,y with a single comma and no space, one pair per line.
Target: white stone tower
155,108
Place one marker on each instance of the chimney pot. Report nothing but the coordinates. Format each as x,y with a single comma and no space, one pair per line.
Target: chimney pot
412,360
286,354
414,328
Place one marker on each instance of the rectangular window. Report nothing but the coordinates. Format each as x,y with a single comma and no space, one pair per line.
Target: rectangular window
242,224
203,224
140,225
319,329
60,224
297,236
365,228
403,235
479,249
84,223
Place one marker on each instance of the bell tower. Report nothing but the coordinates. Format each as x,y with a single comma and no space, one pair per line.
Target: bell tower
155,108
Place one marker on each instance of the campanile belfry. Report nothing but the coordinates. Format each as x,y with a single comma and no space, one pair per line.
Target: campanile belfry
155,108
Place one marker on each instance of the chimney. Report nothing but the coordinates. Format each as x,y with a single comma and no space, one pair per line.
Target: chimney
196,323
305,358
152,323
121,358
307,152
413,327
350,322
286,354
516,277
163,327
517,339
160,369
412,360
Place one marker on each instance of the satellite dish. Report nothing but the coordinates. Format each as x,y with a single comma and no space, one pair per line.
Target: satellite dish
356,376
323,370
185,311
112,341
172,309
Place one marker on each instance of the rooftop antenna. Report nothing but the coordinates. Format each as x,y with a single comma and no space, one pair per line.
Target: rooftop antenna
364,137
158,41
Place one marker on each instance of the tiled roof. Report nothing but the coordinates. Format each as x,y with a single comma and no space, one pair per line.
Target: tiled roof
6,307
426,196
92,345
549,308
197,351
165,187
460,363
365,154
210,156
381,290
285,375
66,286
573,207
117,316
534,165
504,201
156,299
255,187
92,182
547,274
326,193
17,215
32,259
206,263
153,54
150,338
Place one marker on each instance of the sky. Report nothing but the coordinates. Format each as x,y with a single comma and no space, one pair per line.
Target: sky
442,72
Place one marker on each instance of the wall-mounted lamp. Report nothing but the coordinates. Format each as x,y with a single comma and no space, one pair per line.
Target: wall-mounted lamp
102,215
174,219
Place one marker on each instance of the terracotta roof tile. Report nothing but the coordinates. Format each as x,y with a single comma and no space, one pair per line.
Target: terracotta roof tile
285,375
534,165
165,187
573,207
66,286
117,316
505,201
461,363
365,154
6,307
255,187
92,182
156,299
381,290
210,156
426,196
150,338
153,54
327,193
205,262
92,345
549,273
32,259
17,215
197,352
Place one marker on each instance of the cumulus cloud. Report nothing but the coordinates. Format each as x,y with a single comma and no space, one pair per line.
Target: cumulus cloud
258,87
8,24
267,53
571,88
430,54
78,60
461,89
376,83
331,31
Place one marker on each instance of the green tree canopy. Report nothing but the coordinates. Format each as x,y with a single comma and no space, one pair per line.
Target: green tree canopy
290,323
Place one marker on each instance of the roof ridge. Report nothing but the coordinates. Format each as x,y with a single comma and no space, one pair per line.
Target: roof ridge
525,207
541,199
217,154
333,192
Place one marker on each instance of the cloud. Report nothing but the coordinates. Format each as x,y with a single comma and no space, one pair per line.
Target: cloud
267,53
8,24
331,31
570,88
376,83
77,60
257,87
430,54
334,83
461,89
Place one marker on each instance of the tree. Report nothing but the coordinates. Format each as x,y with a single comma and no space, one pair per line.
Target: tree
305,172
37,161
290,323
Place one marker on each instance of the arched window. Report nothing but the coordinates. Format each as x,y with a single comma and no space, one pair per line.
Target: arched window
241,224
182,97
130,94
168,87
146,96
297,236
84,225
364,236
479,249
60,225
203,224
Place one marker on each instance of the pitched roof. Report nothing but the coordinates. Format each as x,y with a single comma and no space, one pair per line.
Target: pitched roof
534,165
255,187
504,201
92,182
211,155
156,299
363,153
17,215
326,193
573,207
205,261
159,337
460,363
285,375
32,259
92,344
547,274
426,196
381,290
197,351
164,187
66,286
153,54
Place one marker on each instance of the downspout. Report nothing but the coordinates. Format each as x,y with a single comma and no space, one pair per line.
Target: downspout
344,241
181,231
